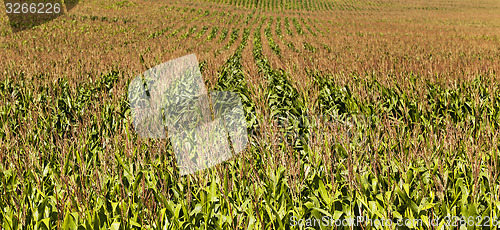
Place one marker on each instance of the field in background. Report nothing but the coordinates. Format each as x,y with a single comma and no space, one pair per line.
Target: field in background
381,109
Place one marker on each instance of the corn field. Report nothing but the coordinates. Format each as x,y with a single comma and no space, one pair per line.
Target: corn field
384,110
